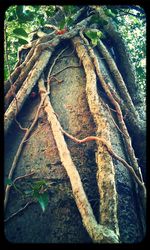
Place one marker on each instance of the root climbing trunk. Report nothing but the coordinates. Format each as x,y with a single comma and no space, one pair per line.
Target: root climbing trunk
105,172
98,233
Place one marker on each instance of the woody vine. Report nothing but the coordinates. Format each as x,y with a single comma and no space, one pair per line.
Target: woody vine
30,72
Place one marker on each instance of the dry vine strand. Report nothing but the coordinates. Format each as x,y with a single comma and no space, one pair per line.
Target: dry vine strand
19,151
118,109
109,148
18,211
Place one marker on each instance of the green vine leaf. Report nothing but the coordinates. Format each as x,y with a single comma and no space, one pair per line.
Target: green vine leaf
62,23
96,19
22,41
19,11
69,9
20,32
8,182
38,185
28,15
94,35
43,200
109,13
11,18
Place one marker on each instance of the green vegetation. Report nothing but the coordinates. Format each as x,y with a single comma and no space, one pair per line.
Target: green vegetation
133,30
22,20
37,190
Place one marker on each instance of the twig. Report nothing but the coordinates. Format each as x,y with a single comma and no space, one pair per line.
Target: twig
119,80
113,110
20,126
71,66
114,93
53,64
114,121
126,114
56,79
36,131
51,68
23,176
17,212
49,26
68,54
129,13
26,88
109,148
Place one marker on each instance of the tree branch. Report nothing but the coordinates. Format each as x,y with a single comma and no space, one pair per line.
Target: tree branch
26,89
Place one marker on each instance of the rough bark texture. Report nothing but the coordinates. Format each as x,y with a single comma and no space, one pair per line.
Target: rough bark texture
64,224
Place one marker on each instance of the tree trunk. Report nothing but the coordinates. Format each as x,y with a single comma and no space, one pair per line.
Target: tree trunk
93,196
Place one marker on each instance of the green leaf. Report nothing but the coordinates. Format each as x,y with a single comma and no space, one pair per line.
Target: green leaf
114,11
94,35
62,23
20,32
19,11
95,19
94,42
28,15
69,9
11,18
22,41
36,7
109,13
140,70
104,22
69,21
8,182
40,183
43,200
24,15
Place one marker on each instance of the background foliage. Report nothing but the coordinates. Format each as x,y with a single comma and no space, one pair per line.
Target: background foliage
22,20
132,27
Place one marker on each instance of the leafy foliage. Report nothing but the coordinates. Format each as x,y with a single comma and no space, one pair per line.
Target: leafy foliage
8,182
94,36
132,26
37,190
20,32
21,20
43,200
